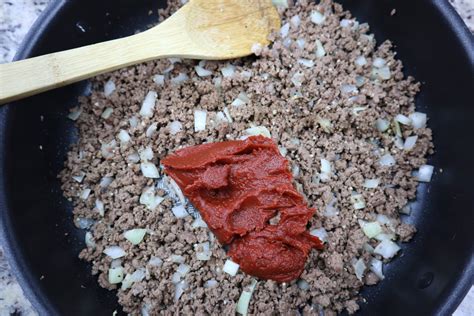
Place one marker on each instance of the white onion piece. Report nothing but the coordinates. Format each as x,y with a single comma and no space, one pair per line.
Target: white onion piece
116,263
331,210
382,125
321,233
371,183
376,268
345,23
317,17
359,268
306,62
295,21
149,199
297,79
320,51
169,69
244,299
281,3
230,267
179,211
285,29
384,236
136,276
85,194
359,80
425,173
89,240
180,288
179,79
210,283
146,154
382,73
387,249
384,219
115,275
358,201
200,117
79,177
237,102
256,49
201,72
303,285
368,248
300,42
99,206
418,120
183,269
108,149
75,113
105,182
348,88
84,223
203,251
387,160
176,278
199,222
174,60
221,118
406,209
228,71
133,121
148,104
159,80
356,110
123,136
107,113
246,74
114,252
149,170
360,61
398,141
410,142
370,229
109,88
176,259
326,166
135,236
155,261
133,158
379,62
403,119
257,130
151,130
175,127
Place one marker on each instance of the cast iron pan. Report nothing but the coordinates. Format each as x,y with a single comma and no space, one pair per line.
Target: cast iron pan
430,277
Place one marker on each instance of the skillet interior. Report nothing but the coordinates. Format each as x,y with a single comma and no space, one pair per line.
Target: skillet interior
430,277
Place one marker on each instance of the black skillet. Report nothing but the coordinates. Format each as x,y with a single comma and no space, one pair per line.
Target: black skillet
430,277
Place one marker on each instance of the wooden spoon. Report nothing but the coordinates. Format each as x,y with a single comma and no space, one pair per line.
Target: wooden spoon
201,29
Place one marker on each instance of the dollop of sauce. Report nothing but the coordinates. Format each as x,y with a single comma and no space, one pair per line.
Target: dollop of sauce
244,192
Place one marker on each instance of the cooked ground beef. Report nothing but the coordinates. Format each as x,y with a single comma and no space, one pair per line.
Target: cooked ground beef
317,102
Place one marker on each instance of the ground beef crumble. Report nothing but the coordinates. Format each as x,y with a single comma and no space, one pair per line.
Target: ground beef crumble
316,105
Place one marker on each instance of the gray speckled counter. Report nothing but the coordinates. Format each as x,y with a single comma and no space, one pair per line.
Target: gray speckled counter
16,17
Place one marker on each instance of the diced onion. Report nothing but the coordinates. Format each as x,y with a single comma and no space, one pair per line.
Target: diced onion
376,268
89,240
359,81
399,142
75,113
108,149
325,166
244,299
348,88
301,42
107,113
285,29
295,21
382,125
382,73
149,199
148,105
133,158
174,60
320,51
306,62
418,120
379,62
105,182
280,3
256,49
155,261
360,61
200,117
403,119
358,201
151,130
84,223
406,209
133,121
169,69
201,72
109,88
303,285
199,222
149,170
114,252
99,206
370,229
425,173
230,267
387,249
79,177
257,130
183,269
359,268
159,80
410,142
176,259
384,236
371,183
331,210
321,233
228,71
175,127
146,154
203,251
136,276
368,248
135,236
179,290
179,211
345,23
246,74
317,17
387,160
210,283
297,79
85,194
227,115
115,275
123,136
179,79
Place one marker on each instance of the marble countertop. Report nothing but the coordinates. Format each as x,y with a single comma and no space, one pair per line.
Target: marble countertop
16,17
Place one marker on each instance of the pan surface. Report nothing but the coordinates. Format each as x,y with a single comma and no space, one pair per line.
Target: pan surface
36,228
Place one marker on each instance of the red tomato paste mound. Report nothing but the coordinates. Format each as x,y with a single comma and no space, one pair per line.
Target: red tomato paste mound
244,192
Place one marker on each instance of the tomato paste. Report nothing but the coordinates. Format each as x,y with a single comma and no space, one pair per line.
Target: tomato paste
244,192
